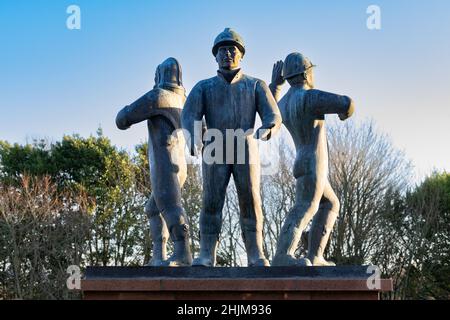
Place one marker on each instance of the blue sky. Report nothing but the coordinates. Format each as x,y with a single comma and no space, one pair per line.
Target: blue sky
55,81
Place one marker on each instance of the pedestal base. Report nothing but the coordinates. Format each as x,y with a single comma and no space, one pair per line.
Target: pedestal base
196,283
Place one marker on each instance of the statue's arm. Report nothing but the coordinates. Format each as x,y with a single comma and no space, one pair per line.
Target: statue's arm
321,103
192,119
277,80
276,91
136,112
267,109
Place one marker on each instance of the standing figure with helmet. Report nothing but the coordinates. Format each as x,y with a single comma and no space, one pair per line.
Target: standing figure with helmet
303,109
230,101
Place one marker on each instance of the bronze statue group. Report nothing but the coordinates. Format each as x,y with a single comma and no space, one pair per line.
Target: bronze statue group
230,101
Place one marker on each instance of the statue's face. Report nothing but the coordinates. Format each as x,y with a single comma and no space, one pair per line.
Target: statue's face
228,57
310,77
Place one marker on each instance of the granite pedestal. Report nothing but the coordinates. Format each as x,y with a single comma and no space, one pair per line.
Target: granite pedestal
260,283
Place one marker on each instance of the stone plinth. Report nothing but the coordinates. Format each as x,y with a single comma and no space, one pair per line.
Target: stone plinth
197,283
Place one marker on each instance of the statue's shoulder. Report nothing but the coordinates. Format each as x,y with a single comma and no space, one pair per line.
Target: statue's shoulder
154,94
301,97
316,93
253,80
293,100
206,83
160,96
295,94
256,83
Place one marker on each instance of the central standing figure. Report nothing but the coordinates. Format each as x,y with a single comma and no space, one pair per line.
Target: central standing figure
230,101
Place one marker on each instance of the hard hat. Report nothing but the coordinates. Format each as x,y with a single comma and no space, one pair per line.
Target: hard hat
228,37
295,64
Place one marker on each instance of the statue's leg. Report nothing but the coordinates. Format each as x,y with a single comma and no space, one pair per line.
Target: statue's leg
167,191
308,194
247,180
158,233
322,227
169,201
215,182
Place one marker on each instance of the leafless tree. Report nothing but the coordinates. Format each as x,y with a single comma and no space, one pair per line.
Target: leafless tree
366,170
43,231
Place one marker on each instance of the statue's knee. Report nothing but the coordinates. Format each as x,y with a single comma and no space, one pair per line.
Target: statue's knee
174,215
304,210
336,206
212,207
180,232
252,205
151,211
251,224
330,205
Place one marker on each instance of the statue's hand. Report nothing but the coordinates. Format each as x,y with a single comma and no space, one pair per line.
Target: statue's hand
277,77
349,113
121,120
263,133
195,150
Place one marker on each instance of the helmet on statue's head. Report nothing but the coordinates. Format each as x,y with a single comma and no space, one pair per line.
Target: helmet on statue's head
295,64
228,37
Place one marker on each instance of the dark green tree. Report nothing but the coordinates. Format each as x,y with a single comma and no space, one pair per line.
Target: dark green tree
429,210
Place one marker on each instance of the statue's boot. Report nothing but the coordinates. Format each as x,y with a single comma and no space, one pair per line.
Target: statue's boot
290,235
319,235
181,256
208,248
253,246
159,235
289,239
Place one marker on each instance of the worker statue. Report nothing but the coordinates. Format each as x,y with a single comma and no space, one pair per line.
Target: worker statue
303,109
230,101
161,107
